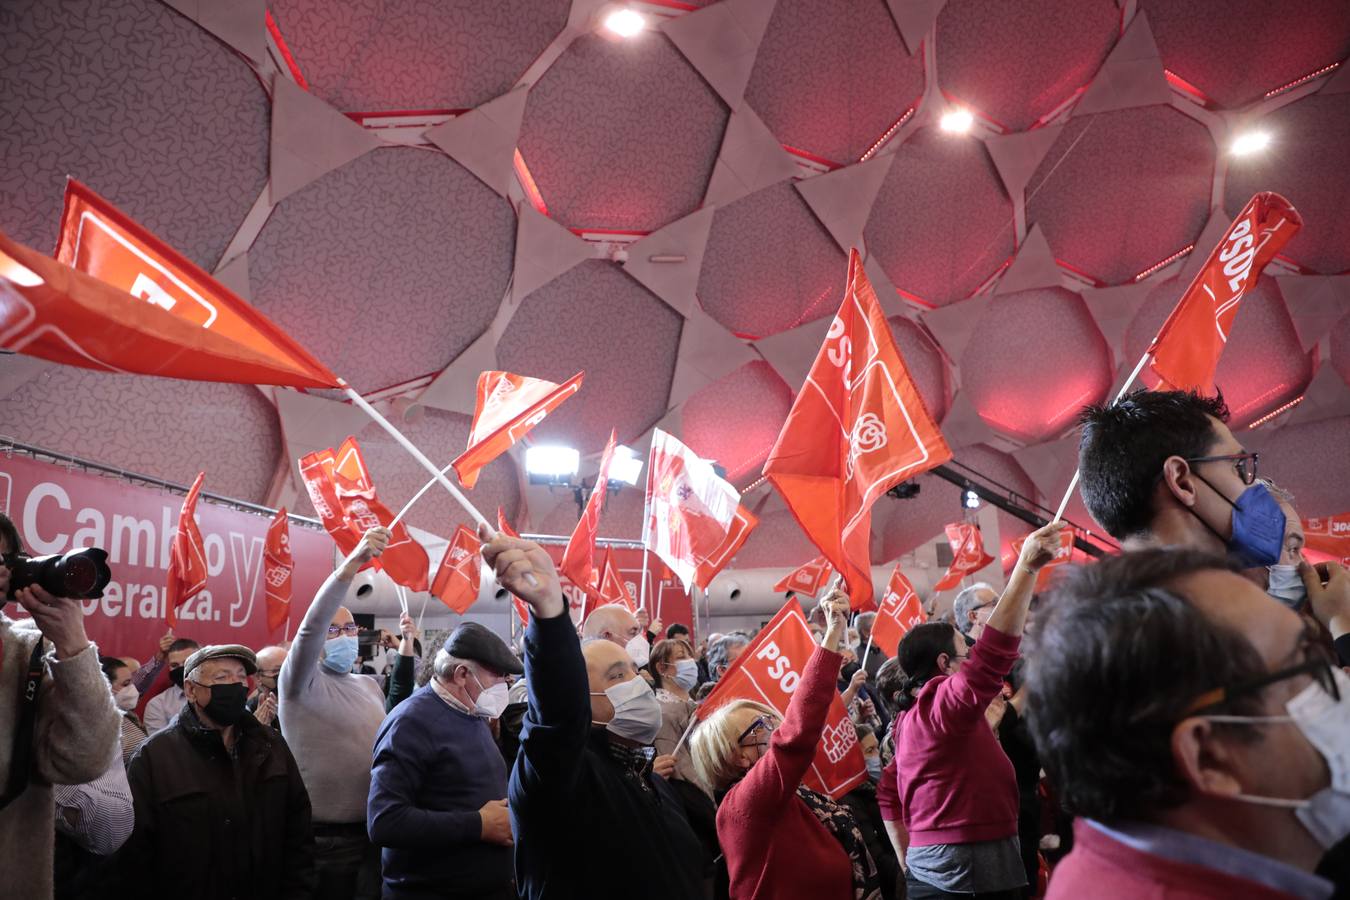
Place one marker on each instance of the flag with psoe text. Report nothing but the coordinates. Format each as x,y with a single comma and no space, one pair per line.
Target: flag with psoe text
968,554
508,406
459,575
1063,554
187,555
900,611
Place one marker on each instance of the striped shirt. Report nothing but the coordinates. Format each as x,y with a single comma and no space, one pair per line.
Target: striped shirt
97,815
134,734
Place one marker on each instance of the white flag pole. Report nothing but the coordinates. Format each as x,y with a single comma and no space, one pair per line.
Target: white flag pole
642,586
693,720
868,651
417,496
422,613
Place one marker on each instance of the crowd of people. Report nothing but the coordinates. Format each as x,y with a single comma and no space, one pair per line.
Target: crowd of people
1171,721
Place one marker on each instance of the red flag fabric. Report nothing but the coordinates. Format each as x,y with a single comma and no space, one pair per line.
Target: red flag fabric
967,554
316,471
1329,537
277,566
1063,554
508,406
690,510
900,611
578,562
610,589
187,555
768,671
1187,349
742,524
807,579
404,560
857,428
459,574
118,299
503,526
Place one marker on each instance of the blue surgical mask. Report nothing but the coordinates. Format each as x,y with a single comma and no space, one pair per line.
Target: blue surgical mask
1258,526
873,767
340,653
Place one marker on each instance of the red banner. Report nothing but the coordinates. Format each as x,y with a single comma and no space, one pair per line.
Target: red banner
56,509
768,671
1327,539
900,611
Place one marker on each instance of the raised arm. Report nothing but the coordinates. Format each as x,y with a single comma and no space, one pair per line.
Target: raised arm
145,675
402,675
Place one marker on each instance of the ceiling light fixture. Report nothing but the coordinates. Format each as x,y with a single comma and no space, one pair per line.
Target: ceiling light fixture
1250,142
625,466
625,23
551,465
956,121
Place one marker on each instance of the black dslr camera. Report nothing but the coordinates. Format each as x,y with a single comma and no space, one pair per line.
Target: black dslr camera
82,573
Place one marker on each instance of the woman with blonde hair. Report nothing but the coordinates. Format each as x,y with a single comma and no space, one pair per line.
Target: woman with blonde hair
780,839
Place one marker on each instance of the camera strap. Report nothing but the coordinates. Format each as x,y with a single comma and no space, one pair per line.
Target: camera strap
21,760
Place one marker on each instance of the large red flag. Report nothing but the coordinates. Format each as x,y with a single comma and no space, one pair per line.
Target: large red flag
458,576
768,671
118,299
857,428
404,560
1187,349
277,566
690,510
508,407
967,554
806,580
900,611
316,471
187,555
578,562
742,524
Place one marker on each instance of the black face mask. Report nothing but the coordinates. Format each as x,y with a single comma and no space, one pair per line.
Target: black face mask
227,703
849,670
176,676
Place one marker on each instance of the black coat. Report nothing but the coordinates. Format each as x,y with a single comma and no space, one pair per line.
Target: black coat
212,824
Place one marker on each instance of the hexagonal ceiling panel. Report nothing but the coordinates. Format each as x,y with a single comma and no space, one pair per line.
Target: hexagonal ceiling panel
1307,165
1121,191
1015,61
1031,386
942,223
622,135
832,78
736,419
599,319
1263,365
397,229
1236,50
367,55
926,365
770,265
139,103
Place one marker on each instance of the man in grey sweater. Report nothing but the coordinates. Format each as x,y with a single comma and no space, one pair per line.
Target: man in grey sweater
329,718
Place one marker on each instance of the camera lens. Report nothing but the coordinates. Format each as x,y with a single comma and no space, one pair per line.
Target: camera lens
78,576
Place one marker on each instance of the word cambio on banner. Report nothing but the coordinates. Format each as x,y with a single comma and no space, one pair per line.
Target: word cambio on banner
967,554
806,580
508,407
900,612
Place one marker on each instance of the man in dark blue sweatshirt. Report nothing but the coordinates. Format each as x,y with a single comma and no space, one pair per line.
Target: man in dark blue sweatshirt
590,817
438,783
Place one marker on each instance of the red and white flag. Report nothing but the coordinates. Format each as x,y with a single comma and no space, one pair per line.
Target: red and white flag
460,572
277,566
508,406
689,510
1063,554
404,560
742,523
187,555
857,428
578,562
768,671
806,580
900,611
1187,349
967,554
316,471
611,589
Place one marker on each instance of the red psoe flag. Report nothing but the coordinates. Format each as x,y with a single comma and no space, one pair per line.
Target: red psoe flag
316,471
578,562
967,554
1329,537
690,510
508,406
768,671
1187,349
612,586
1063,554
187,555
857,428
459,574
277,566
742,523
404,560
118,299
900,611
808,579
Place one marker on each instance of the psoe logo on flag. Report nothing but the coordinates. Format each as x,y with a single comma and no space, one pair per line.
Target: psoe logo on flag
837,740
869,435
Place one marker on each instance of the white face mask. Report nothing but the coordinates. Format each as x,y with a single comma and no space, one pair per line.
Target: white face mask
637,713
1287,586
1325,722
492,702
127,698
686,674
639,649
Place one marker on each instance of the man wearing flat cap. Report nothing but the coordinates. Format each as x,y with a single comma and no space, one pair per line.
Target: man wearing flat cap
438,784
221,809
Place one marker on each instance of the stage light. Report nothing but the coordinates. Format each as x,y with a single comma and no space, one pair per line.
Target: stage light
625,22
625,466
956,121
551,465
1250,142
970,499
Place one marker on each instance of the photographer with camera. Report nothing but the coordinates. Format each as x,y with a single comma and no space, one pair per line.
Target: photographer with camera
61,728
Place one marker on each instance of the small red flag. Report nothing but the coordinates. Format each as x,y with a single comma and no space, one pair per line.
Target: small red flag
277,566
578,562
808,579
187,556
1063,554
742,524
857,428
316,471
404,560
900,611
459,574
1187,349
612,588
967,554
508,406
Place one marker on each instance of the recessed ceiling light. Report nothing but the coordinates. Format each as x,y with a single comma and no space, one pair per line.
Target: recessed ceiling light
1250,142
956,121
625,22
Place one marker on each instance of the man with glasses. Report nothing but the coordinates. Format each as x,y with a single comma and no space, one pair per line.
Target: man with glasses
329,718
973,607
1198,729
263,702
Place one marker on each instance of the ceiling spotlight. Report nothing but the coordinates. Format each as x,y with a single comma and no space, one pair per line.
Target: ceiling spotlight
624,466
956,121
970,499
1250,142
625,22
551,465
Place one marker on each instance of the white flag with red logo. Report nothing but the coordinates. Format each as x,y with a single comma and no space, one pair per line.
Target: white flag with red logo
508,406
808,579
900,611
690,509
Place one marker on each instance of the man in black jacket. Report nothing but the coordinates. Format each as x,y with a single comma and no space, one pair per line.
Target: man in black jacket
220,804
590,817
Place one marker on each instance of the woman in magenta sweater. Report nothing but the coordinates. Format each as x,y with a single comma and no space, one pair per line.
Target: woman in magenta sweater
780,839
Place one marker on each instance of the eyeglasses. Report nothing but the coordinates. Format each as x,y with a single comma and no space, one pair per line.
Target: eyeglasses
1240,462
760,724
351,629
1320,669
